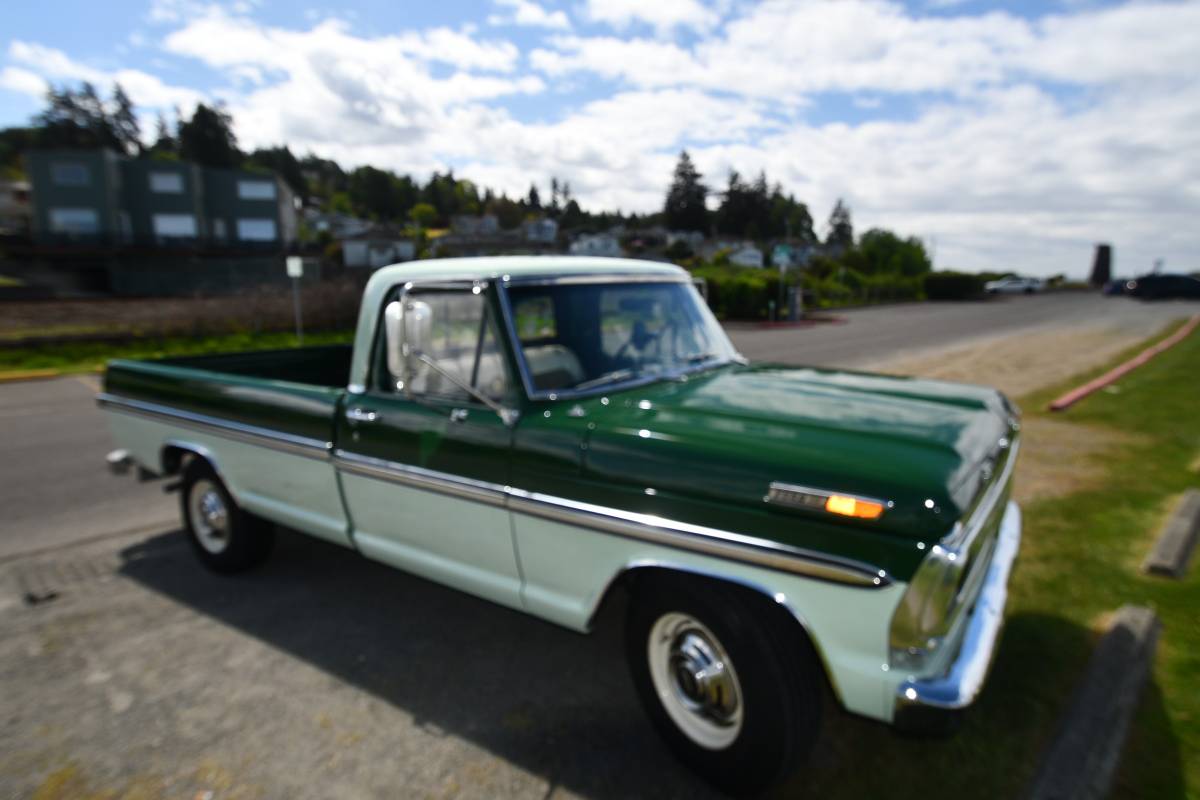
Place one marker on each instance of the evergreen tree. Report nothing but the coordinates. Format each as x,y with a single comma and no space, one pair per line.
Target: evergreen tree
208,139
124,122
281,161
841,230
533,202
685,209
165,142
75,119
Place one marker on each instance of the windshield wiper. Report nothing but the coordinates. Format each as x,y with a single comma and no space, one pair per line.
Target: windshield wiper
699,357
608,377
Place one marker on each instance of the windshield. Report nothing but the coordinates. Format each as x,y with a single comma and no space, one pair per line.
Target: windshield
581,336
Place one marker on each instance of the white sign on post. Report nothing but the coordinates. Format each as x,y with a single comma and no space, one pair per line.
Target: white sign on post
295,271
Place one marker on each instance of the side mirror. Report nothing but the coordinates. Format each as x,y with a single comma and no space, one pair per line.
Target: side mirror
408,326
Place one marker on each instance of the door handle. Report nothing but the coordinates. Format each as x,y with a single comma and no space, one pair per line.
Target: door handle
459,415
356,415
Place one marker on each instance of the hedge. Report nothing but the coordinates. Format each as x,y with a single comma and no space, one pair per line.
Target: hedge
953,286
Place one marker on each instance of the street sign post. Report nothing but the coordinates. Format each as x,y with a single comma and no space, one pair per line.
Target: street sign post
295,271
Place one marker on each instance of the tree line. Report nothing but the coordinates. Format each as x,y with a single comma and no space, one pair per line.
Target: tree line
753,209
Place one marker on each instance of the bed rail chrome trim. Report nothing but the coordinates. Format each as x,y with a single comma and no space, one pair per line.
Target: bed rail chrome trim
250,434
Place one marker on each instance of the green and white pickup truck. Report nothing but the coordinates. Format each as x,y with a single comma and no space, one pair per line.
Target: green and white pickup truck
541,432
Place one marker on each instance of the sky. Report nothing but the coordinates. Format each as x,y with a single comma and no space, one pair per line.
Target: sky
1007,136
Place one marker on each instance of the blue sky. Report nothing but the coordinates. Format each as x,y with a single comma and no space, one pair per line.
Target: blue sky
1009,135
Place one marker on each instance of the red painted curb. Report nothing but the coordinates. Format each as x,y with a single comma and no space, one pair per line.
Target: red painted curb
1075,395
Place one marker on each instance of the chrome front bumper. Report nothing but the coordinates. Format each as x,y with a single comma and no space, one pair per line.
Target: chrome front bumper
962,682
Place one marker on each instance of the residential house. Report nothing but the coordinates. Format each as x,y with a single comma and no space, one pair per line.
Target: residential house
542,230
102,197
377,248
792,256
747,255
471,225
597,244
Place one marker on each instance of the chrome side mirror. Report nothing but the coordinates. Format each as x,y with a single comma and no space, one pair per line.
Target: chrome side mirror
408,325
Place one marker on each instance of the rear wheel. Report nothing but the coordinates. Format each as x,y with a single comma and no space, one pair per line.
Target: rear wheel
224,537
726,678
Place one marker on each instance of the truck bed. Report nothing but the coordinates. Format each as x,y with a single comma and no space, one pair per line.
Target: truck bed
326,365
293,393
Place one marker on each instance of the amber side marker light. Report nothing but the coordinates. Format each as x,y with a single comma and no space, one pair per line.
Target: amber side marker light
853,507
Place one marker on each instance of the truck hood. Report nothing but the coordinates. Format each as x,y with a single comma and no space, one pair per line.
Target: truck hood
725,435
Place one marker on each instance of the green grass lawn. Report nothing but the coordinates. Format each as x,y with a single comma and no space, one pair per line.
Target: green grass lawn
1079,561
86,356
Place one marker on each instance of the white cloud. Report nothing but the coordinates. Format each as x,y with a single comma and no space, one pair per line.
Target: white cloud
529,13
1021,142
662,15
23,81
143,88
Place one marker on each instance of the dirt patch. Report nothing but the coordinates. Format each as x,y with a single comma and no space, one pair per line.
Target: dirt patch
1025,362
1059,458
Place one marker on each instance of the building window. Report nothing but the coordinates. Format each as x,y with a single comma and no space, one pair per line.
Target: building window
177,226
256,190
70,174
166,182
256,230
74,220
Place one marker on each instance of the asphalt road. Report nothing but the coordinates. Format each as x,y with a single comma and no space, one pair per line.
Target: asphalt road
872,335
54,489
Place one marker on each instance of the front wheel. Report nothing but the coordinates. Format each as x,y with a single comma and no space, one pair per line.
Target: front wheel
727,679
224,537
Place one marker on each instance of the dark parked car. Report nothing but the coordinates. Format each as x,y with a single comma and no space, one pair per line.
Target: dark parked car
1161,287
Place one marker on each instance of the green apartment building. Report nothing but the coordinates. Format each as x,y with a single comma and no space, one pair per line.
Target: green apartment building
104,198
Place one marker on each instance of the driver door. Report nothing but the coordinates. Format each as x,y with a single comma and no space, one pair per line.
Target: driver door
423,466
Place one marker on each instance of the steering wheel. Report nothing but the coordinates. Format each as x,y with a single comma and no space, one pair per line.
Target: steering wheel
640,338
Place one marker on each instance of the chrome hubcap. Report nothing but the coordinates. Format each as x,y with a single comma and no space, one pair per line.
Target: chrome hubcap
695,680
210,517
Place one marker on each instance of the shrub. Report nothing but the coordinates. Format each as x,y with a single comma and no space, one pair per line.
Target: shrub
953,286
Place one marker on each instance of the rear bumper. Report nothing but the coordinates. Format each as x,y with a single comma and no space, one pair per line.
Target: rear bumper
920,702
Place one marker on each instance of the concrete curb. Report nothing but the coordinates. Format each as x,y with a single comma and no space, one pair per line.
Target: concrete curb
1083,758
1075,395
1175,543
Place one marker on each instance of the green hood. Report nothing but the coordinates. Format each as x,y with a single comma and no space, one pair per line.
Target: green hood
726,434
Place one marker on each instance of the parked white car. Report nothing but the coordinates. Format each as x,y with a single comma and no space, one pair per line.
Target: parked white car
1014,285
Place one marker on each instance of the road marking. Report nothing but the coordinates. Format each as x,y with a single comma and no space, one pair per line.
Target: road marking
90,381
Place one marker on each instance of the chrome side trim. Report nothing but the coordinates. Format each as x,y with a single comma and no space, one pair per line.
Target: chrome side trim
250,434
699,539
420,478
962,681
643,527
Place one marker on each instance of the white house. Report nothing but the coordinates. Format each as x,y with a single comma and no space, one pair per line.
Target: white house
746,256
471,225
376,248
543,230
597,244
